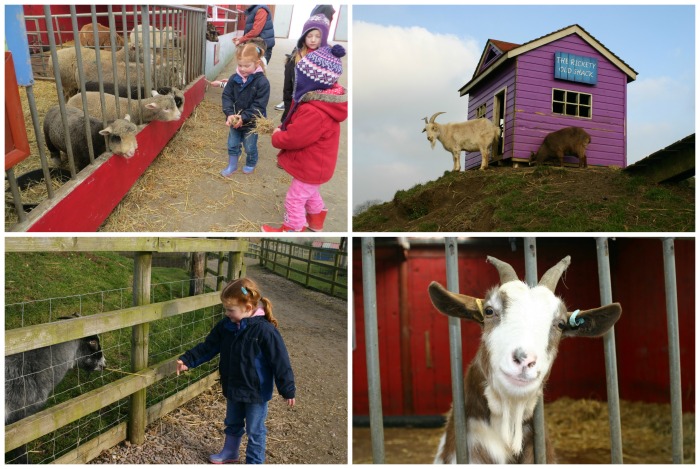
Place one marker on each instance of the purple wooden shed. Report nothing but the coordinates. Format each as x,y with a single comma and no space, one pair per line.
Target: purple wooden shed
566,78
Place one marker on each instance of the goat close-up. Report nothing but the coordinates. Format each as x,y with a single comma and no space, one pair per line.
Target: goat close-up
473,135
31,377
521,331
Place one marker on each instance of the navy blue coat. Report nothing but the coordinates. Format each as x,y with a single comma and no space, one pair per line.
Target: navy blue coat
249,98
268,33
252,355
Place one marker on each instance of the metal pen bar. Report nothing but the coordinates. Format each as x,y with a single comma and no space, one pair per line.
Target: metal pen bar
456,366
531,280
674,353
605,286
369,293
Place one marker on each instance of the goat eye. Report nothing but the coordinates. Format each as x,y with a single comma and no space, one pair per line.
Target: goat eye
561,325
488,311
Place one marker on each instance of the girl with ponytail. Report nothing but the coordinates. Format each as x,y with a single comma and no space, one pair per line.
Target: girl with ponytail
252,357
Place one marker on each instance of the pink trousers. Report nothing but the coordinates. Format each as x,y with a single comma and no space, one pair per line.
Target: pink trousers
301,199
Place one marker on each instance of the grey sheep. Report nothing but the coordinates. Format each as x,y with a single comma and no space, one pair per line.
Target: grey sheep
121,133
31,377
157,107
124,93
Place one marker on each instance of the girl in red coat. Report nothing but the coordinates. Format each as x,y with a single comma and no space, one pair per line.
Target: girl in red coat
309,137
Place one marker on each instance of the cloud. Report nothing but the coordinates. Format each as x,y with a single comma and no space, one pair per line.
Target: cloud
400,75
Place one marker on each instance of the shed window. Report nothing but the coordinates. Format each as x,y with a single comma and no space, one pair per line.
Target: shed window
572,103
481,111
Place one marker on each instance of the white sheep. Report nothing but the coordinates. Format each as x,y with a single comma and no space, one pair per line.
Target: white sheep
121,136
521,330
474,135
158,107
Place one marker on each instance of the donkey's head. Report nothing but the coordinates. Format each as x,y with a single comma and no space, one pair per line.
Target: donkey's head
522,326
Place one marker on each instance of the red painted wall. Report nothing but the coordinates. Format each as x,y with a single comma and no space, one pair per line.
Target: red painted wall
579,372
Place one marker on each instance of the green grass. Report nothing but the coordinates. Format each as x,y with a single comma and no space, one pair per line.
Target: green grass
40,287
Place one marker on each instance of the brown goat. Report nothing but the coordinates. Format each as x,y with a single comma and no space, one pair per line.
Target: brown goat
87,36
566,141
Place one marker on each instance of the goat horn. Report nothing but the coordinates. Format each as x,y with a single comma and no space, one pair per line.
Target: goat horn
505,270
552,276
432,119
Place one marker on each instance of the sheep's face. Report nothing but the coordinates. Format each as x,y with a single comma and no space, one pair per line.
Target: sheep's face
122,137
90,357
433,133
522,330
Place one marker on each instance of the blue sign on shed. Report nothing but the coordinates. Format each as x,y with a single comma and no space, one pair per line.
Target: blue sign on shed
575,68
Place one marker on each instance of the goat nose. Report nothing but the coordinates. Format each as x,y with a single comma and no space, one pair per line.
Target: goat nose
524,359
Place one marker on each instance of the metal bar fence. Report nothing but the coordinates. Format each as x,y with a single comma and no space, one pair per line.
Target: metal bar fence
172,56
375,400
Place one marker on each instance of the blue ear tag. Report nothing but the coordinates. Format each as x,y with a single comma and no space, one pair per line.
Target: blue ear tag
573,322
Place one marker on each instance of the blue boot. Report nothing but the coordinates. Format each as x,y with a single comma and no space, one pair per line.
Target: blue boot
229,454
232,166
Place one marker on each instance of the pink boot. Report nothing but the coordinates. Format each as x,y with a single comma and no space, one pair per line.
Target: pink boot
315,220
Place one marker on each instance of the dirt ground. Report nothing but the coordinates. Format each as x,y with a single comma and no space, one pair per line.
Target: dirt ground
183,191
315,431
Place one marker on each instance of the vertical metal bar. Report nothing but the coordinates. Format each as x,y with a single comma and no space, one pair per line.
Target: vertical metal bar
41,143
610,354
674,353
456,365
17,198
147,49
369,293
531,280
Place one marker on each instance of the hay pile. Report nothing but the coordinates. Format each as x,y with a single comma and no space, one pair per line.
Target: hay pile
580,432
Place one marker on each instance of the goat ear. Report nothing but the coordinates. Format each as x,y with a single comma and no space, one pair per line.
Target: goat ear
455,304
596,322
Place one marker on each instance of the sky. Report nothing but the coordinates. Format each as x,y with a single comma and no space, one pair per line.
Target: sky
410,61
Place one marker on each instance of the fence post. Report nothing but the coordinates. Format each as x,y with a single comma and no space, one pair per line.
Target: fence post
674,353
308,266
610,354
139,347
336,260
369,293
456,365
219,270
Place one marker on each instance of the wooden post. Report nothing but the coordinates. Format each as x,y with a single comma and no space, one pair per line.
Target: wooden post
136,429
308,265
336,269
197,273
219,271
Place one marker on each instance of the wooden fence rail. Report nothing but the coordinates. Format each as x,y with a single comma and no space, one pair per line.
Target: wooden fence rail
278,255
137,317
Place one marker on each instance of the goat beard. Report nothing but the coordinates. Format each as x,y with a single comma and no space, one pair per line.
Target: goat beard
432,144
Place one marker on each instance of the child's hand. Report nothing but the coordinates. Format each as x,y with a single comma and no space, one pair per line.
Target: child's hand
181,367
290,402
234,120
216,83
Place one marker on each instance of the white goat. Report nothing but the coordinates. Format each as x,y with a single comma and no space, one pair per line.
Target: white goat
474,135
522,327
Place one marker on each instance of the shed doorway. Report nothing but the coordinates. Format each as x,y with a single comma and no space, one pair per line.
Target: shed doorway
499,112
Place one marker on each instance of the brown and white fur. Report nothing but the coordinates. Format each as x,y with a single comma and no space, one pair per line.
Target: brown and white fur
521,330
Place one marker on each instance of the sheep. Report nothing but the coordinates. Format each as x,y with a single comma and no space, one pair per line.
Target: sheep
31,377
87,36
478,134
121,133
157,36
68,69
521,331
566,141
166,73
157,107
123,92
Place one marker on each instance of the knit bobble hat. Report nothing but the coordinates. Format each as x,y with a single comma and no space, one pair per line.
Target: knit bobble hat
318,70
319,22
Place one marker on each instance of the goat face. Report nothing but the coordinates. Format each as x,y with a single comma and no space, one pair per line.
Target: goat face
89,355
433,133
522,326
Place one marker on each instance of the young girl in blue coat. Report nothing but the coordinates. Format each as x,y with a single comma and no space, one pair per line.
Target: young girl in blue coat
252,356
244,98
